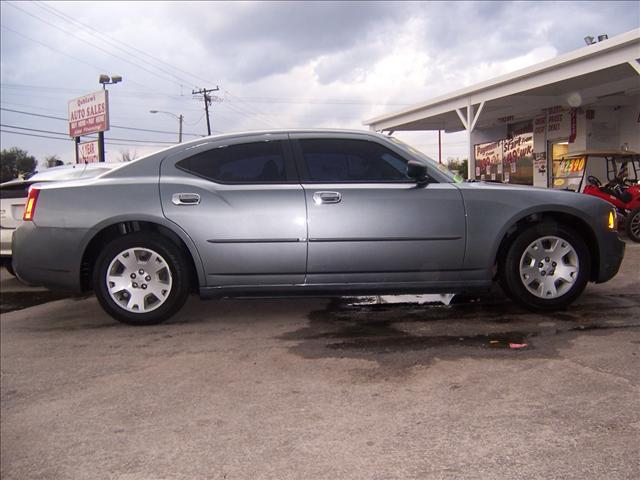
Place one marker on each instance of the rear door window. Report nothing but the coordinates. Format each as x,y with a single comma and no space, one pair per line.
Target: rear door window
18,190
246,163
351,161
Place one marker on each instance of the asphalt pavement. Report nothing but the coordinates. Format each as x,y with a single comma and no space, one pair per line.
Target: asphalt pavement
324,389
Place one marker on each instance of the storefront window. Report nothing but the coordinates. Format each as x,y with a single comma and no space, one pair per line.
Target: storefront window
567,171
518,159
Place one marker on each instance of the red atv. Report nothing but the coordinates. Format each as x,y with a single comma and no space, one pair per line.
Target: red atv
622,189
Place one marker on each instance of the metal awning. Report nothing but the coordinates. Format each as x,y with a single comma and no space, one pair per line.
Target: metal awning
607,73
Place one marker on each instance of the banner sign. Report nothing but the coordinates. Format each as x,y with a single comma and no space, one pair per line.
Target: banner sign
88,152
89,114
508,160
488,154
567,173
572,135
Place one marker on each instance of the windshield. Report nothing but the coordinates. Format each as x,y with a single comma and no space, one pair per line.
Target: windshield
428,160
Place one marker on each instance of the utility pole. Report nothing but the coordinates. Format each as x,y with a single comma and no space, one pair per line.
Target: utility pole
207,101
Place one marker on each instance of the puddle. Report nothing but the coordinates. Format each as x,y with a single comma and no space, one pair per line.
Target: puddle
400,333
11,301
507,340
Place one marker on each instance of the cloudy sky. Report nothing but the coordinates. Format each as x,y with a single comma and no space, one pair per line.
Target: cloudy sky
278,64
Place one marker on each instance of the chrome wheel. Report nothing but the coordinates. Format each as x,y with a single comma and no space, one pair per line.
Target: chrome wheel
549,267
139,280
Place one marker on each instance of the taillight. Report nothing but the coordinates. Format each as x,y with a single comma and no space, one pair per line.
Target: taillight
30,207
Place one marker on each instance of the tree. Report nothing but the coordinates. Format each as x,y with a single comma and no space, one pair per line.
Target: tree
461,167
127,156
53,161
15,162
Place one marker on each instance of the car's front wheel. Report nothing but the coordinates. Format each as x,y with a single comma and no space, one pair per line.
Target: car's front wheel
546,267
141,279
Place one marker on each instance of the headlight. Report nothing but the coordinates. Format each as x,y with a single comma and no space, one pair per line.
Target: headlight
612,224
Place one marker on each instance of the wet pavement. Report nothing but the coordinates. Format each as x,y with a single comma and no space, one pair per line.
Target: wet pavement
366,388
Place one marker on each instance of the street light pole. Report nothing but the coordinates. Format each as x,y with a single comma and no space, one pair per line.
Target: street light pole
180,121
105,80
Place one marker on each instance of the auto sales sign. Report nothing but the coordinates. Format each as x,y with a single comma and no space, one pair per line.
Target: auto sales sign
89,114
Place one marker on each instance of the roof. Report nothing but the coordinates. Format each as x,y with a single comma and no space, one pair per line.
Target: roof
586,70
288,130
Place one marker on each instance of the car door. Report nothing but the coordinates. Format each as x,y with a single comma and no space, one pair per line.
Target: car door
241,202
368,222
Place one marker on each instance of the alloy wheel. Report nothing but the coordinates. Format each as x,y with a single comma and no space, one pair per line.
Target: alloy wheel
139,280
549,267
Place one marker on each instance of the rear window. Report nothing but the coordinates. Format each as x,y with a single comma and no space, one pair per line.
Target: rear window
19,190
259,162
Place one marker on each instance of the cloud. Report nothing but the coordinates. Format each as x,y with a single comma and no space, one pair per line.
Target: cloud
279,64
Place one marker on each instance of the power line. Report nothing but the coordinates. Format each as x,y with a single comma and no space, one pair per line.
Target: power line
57,27
70,140
50,48
66,134
247,100
112,126
87,27
101,37
104,35
250,110
33,129
98,69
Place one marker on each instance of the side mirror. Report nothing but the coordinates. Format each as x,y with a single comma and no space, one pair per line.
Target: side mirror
417,171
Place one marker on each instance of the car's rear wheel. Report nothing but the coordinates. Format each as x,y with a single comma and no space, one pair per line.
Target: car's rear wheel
546,267
140,279
633,225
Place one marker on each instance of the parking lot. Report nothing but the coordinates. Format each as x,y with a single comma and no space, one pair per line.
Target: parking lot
324,389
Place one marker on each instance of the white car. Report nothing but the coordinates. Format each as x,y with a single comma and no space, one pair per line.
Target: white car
13,196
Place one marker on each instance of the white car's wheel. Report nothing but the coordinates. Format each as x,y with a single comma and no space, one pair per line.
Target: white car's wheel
546,267
141,279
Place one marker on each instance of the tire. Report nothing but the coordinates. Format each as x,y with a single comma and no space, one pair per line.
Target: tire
564,258
633,225
6,263
146,298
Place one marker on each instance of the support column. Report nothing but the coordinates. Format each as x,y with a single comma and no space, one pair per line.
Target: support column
471,163
469,123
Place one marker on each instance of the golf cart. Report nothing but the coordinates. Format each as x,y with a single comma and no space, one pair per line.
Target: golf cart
621,189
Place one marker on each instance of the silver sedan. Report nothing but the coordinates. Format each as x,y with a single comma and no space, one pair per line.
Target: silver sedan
306,212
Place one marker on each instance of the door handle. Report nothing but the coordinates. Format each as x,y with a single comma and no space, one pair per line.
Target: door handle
326,197
185,199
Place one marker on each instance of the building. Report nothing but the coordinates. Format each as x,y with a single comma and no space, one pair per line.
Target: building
520,125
